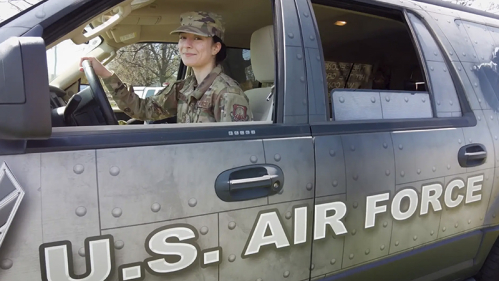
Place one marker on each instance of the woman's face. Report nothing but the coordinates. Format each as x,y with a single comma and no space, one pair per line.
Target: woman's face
196,50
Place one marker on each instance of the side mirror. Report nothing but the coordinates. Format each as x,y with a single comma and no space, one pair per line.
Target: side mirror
24,89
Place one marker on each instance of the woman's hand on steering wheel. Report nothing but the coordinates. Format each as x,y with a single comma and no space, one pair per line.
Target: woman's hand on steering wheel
99,69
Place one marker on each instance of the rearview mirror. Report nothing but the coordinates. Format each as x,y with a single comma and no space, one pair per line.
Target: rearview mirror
24,89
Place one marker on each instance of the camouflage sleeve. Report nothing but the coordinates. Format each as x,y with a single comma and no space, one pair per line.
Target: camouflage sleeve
160,106
232,105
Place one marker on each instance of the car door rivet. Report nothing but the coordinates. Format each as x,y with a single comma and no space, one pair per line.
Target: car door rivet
451,53
291,35
352,148
431,68
117,212
286,274
459,68
355,205
476,85
155,207
305,14
332,153
232,258
356,177
6,264
419,171
373,100
451,102
459,141
385,145
456,225
387,99
81,211
397,243
479,118
351,256
204,230
253,159
354,232
385,224
342,99
438,102
406,99
432,232
302,79
423,100
434,169
259,279
318,58
333,261
119,245
491,117
299,56
481,218
312,38
309,186
114,171
382,247
415,238
387,172
469,221
78,169
470,140
232,225
312,267
435,53
193,202
444,229
402,173
367,252
335,183
277,157
81,252
288,215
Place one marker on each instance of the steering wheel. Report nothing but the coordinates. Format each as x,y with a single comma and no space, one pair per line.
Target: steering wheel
98,94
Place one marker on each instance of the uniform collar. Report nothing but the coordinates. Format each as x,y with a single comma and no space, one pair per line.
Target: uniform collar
207,82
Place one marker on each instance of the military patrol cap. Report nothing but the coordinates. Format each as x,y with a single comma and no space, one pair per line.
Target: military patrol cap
201,23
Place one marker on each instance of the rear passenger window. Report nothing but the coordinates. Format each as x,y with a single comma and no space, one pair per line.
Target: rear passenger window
374,68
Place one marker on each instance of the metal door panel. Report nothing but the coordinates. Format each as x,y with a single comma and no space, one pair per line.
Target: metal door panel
289,263
457,36
422,155
70,208
295,87
129,246
481,134
466,216
438,9
356,105
418,229
327,253
370,170
494,32
317,102
179,179
469,89
408,4
19,251
479,79
481,39
444,93
426,40
492,216
400,105
493,125
295,156
330,166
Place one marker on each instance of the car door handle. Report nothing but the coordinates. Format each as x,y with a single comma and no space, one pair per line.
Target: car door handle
472,155
249,182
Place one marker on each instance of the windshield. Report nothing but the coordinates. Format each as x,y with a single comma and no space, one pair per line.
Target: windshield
10,8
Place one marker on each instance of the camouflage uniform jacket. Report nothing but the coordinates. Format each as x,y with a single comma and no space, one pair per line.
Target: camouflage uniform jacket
217,99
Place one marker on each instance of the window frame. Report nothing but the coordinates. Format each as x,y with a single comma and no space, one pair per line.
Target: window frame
467,119
101,137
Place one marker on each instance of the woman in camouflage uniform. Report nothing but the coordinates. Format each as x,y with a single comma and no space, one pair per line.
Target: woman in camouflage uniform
207,96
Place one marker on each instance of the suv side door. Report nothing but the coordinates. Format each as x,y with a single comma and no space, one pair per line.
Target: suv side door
383,170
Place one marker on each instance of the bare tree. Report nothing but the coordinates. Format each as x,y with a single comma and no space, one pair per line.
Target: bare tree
147,64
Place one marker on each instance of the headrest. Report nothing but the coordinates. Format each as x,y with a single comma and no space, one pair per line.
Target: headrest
262,54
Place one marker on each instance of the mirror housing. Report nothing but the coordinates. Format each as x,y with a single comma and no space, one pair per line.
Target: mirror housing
24,89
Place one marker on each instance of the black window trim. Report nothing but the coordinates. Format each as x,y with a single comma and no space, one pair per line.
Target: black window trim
467,119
